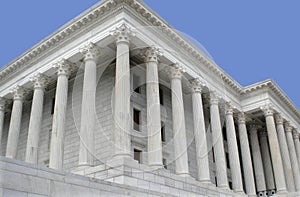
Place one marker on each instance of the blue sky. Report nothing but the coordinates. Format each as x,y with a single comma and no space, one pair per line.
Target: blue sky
251,40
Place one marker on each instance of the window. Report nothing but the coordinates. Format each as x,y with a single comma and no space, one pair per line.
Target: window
163,132
136,119
230,185
227,160
224,133
165,163
52,106
161,96
136,84
137,155
213,154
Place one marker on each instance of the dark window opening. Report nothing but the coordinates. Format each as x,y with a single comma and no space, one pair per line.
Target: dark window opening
224,133
52,106
163,132
136,119
230,185
137,155
227,160
165,163
161,96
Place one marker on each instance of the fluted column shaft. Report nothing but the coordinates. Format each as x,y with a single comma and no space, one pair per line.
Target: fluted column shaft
235,166
180,143
15,122
246,156
59,117
88,107
266,158
39,82
275,150
2,115
153,108
297,146
218,144
200,132
122,121
293,156
257,160
284,150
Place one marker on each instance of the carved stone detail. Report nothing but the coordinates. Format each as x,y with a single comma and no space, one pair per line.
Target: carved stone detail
278,119
268,110
214,98
64,67
288,127
242,118
197,85
152,54
90,51
123,33
176,71
229,108
18,92
3,103
40,81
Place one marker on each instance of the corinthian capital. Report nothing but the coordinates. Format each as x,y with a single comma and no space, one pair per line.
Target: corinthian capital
268,110
242,118
64,67
90,52
176,71
214,98
18,92
2,103
152,54
197,85
123,33
278,119
296,135
229,108
40,81
288,127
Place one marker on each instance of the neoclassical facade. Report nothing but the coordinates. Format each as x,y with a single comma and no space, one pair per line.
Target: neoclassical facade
117,103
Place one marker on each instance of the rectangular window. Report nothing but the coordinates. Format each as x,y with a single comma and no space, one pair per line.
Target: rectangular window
230,185
136,119
163,132
227,161
52,106
165,163
137,155
161,96
224,133
136,84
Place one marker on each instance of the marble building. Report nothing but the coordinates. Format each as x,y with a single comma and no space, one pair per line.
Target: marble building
118,103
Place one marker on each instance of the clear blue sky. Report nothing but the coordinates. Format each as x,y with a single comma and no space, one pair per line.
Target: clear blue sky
251,40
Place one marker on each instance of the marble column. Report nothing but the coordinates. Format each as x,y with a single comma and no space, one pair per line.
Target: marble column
153,108
122,120
284,150
179,133
217,142
15,122
88,106
293,156
246,156
275,150
267,163
297,146
257,160
63,68
235,166
39,82
200,132
2,116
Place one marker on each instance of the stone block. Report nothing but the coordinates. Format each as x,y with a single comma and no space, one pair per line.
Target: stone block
143,184
11,193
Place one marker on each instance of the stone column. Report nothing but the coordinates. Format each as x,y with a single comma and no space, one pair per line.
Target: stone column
275,150
246,156
267,163
293,156
217,142
63,68
153,108
284,150
180,143
88,107
235,166
15,122
200,132
2,115
257,160
39,82
297,145
122,120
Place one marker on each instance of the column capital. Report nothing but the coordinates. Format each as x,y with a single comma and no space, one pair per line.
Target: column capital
278,119
263,133
63,67
40,81
214,98
175,71
229,108
296,135
253,127
197,85
3,103
268,110
90,52
242,118
18,92
123,33
288,128
152,54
